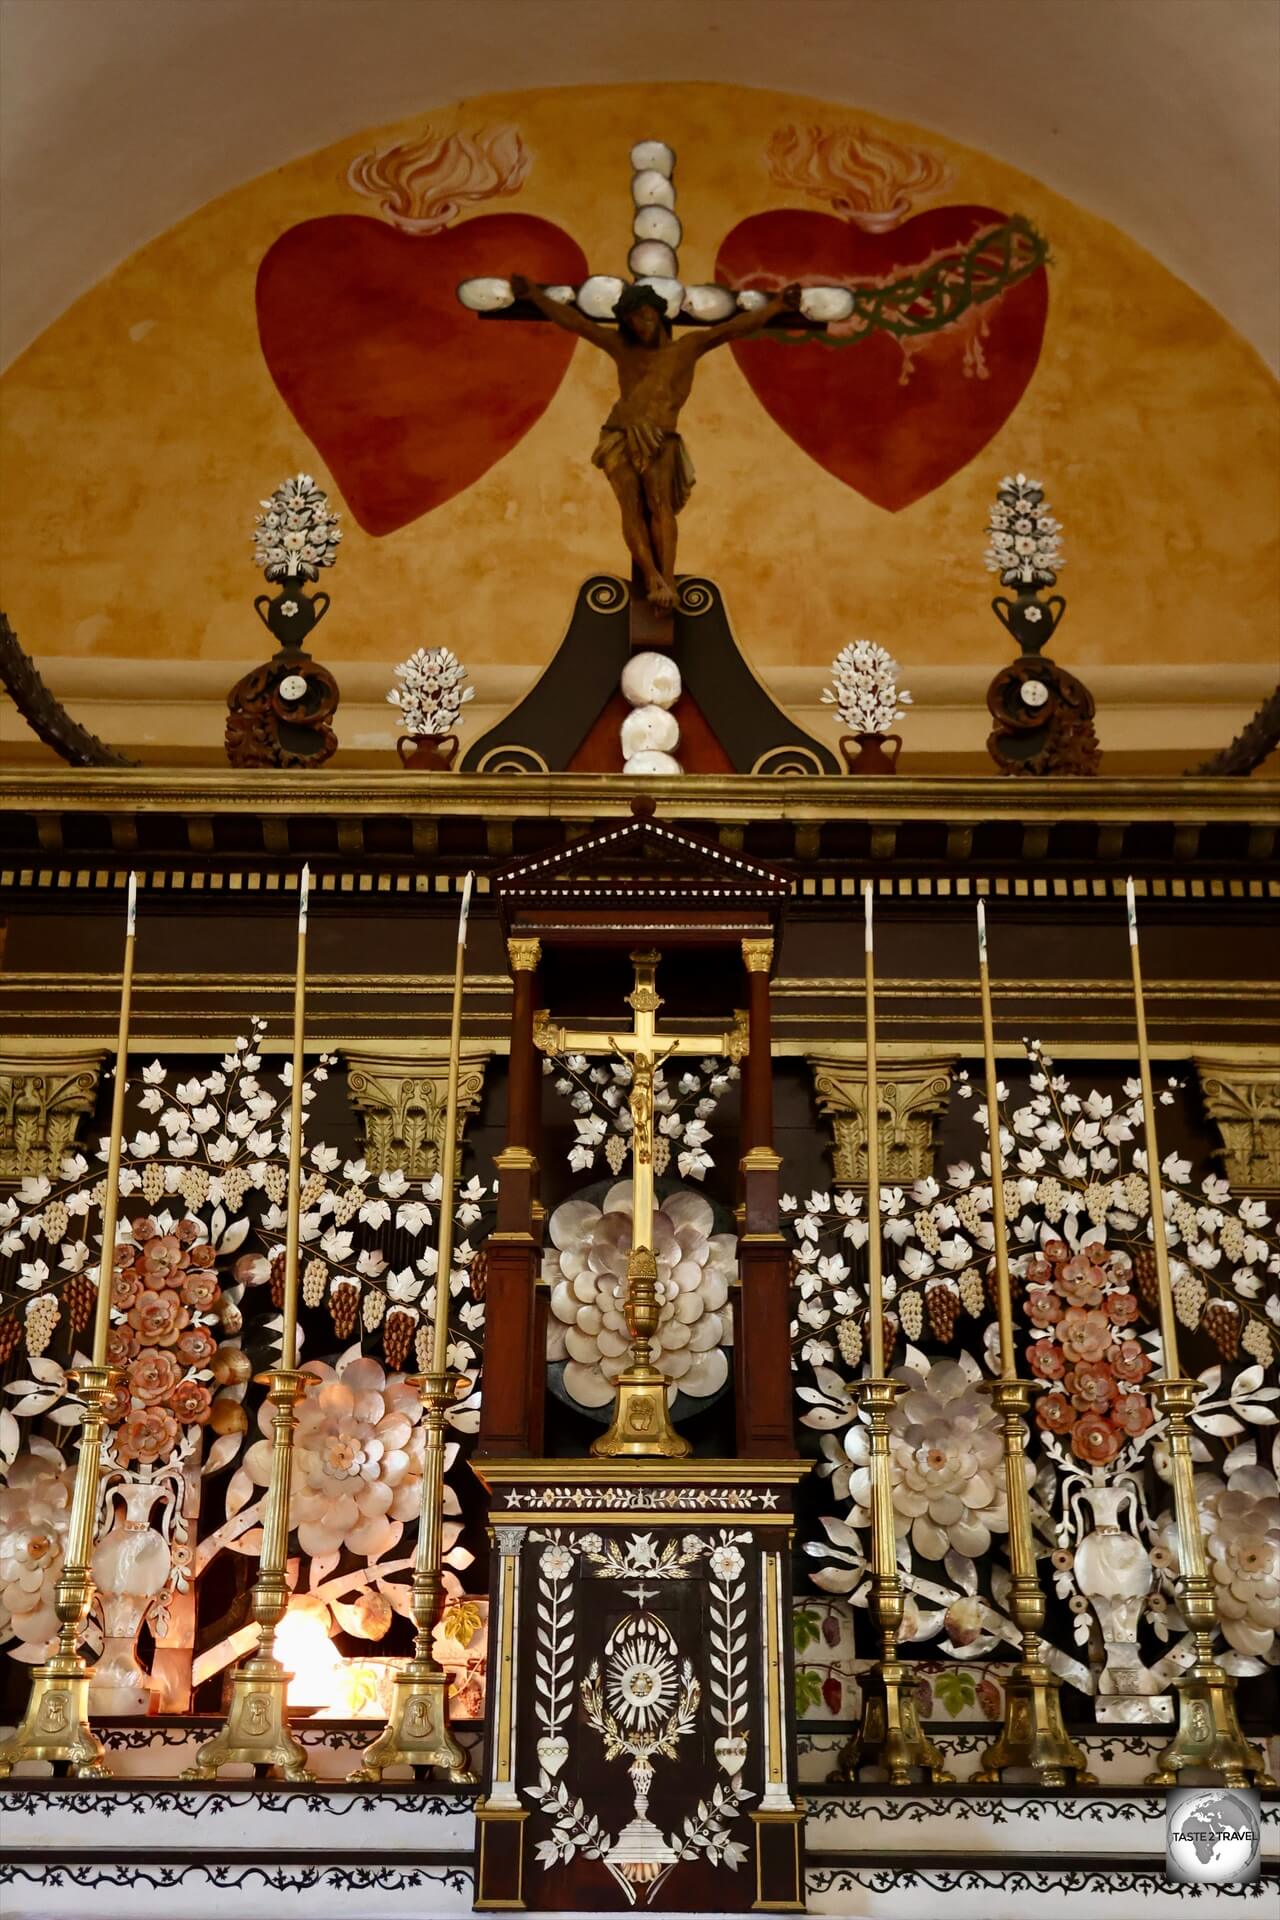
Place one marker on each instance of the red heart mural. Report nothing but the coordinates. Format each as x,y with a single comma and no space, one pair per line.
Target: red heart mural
407,397
890,423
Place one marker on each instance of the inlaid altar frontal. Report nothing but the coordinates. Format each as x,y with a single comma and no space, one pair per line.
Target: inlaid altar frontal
639,1731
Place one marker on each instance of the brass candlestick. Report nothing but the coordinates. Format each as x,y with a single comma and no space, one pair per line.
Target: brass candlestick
1208,1739
55,1726
256,1731
1033,1739
889,1737
417,1734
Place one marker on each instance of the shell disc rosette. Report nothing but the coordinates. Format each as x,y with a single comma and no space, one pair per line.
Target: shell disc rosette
357,1460
586,1271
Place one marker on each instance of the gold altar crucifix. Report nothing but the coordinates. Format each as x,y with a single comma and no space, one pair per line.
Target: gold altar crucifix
641,1423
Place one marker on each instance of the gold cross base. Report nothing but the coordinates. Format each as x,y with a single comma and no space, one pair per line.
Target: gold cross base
55,1726
417,1732
257,1731
1209,1739
1034,1739
890,1737
641,1424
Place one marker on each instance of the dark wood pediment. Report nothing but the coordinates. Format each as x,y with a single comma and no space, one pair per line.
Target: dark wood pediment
642,875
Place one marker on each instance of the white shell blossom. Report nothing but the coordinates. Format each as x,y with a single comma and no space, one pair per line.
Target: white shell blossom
946,1463
1241,1522
432,696
866,694
35,1512
296,533
586,1270
1026,543
357,1463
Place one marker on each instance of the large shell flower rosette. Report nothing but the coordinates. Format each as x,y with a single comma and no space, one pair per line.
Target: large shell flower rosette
586,1270
35,1513
1240,1520
946,1462
357,1462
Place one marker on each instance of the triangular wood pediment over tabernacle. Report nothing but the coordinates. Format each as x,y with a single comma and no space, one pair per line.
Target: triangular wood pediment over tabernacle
641,875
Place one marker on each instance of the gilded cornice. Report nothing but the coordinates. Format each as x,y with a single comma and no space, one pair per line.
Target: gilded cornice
363,793
415,834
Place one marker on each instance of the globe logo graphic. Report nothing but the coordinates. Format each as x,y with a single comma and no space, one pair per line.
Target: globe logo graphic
1214,1836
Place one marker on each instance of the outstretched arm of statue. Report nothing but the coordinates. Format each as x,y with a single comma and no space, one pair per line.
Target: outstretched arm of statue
563,313
743,325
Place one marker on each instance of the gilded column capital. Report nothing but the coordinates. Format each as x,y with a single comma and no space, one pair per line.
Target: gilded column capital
43,1099
401,1099
912,1093
524,954
1243,1099
757,955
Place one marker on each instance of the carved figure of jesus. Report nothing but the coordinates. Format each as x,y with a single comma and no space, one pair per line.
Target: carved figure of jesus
641,1105
640,451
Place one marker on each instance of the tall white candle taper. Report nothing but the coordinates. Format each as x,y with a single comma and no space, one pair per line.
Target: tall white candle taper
1034,1738
417,1732
448,1158
55,1726
875,1280
1209,1738
111,1186
1004,1299
289,1330
256,1729
1164,1288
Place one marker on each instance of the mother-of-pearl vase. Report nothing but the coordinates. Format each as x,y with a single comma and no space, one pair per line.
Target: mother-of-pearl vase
130,1567
1114,1573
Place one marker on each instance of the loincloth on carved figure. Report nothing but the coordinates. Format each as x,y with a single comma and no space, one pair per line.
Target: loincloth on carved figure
638,447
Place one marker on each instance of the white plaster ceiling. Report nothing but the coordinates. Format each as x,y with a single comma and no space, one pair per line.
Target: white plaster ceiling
120,117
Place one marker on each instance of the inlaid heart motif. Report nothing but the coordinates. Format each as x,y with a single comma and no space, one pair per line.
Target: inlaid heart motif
407,397
731,1752
553,1751
892,423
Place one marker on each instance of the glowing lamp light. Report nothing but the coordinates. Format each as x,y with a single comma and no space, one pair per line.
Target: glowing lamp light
309,1655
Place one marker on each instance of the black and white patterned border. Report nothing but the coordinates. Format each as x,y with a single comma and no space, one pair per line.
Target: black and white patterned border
1109,1883
985,1809
96,1878
621,1498
197,1803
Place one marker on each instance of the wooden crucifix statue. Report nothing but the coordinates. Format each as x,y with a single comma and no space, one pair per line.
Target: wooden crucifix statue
640,450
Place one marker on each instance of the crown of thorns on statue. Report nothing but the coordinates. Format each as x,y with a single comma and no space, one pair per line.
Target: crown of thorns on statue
633,298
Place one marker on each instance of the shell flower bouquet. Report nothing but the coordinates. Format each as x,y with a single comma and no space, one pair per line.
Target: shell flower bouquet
869,701
1025,540
297,531
430,698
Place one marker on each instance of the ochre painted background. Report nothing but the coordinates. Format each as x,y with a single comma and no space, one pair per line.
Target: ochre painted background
140,431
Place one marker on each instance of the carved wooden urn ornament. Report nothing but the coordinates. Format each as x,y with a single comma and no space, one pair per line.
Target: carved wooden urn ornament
1043,715
279,713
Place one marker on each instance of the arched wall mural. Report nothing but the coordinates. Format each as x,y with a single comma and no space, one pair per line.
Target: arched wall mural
308,320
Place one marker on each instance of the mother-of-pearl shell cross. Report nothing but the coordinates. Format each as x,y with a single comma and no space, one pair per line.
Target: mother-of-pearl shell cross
654,262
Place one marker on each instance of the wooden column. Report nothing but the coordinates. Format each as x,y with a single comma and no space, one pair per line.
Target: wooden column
511,1405
762,1331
